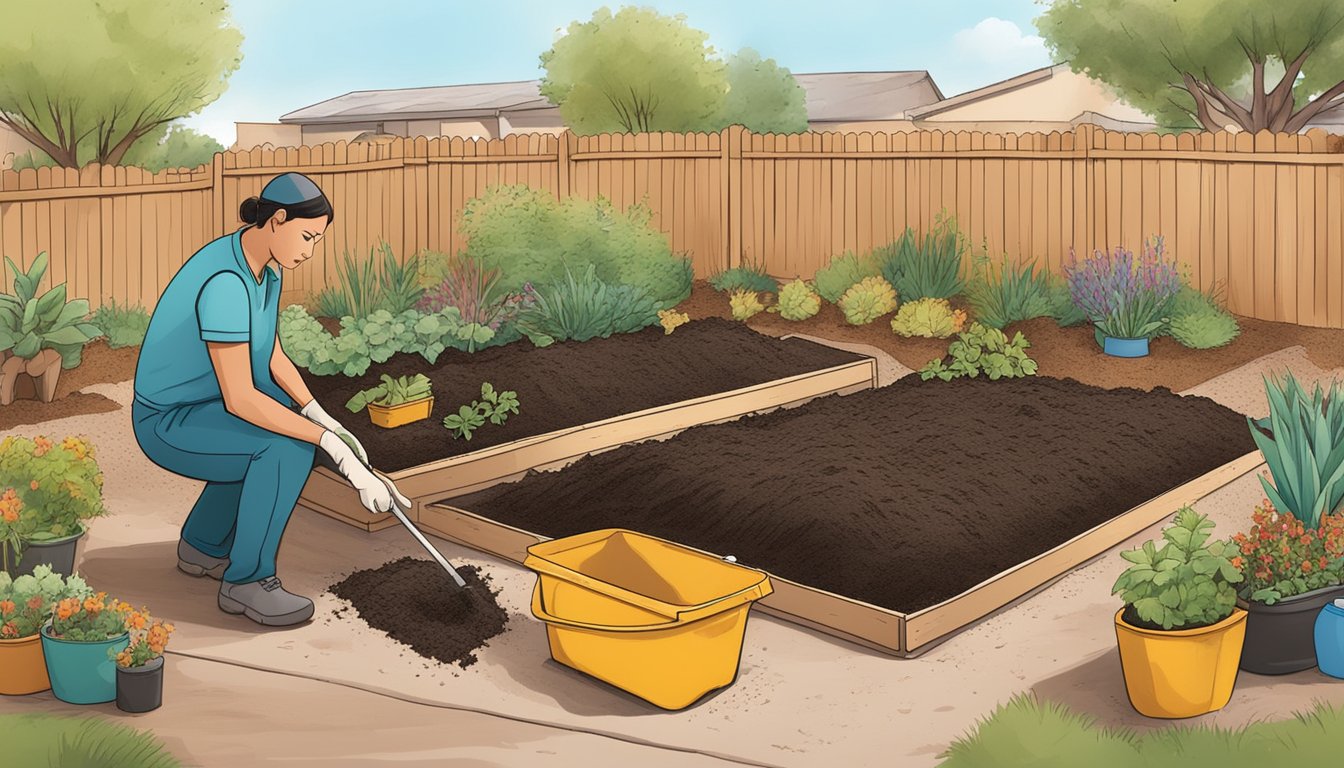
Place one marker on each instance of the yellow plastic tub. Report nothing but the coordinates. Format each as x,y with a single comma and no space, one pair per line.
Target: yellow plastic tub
392,416
656,619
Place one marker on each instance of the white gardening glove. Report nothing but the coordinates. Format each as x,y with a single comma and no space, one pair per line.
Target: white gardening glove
374,494
315,414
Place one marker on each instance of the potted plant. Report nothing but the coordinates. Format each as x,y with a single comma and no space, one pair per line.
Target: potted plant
1126,302
25,605
76,644
39,335
140,664
47,491
1293,555
396,401
1180,632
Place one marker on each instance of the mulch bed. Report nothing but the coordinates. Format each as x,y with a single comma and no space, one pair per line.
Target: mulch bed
416,603
99,364
902,496
569,384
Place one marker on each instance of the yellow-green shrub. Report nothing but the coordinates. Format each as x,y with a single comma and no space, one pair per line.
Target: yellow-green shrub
930,318
797,301
745,304
867,300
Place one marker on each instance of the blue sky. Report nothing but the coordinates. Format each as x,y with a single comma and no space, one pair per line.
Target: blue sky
299,52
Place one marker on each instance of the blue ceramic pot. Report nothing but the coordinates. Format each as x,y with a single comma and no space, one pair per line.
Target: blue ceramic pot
1117,347
82,673
1330,640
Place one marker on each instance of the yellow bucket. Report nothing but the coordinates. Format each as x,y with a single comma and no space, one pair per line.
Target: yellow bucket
1180,673
656,619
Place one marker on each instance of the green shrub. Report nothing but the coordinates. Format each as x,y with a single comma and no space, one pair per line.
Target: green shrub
372,284
1009,293
983,349
1062,308
531,237
867,300
581,308
797,301
56,741
30,323
930,318
843,272
1030,733
1187,583
927,267
123,326
747,278
1203,328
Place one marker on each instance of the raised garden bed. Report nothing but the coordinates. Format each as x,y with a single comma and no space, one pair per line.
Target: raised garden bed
897,516
574,399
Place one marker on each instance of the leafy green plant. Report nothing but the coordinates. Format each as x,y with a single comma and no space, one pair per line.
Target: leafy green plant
925,267
1062,308
89,618
30,323
930,318
750,277
122,325
745,305
1010,293
26,602
47,489
467,419
1302,440
843,272
1204,328
367,286
582,308
398,391
496,406
797,301
867,300
1185,584
983,350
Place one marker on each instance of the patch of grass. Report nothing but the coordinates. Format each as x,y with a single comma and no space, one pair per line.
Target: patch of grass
368,285
927,267
1029,733
39,740
1009,293
749,277
121,325
583,307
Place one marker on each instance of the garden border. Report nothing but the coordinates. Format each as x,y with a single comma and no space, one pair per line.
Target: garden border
905,635
327,493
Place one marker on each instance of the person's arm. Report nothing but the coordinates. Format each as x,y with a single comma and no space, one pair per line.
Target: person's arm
233,368
287,376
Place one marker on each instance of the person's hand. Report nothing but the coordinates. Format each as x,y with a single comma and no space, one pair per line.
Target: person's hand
314,413
374,494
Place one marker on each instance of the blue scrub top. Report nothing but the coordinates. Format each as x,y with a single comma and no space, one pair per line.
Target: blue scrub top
213,297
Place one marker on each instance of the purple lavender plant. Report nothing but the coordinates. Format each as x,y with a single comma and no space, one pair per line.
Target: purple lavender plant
1123,297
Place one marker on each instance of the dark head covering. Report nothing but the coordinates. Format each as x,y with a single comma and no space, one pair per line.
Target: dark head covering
290,189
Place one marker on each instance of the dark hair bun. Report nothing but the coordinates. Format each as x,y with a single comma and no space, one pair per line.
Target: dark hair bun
248,210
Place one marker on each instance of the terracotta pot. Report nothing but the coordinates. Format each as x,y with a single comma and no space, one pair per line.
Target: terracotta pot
23,668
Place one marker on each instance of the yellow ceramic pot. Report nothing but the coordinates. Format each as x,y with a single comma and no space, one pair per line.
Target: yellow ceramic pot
23,668
389,416
1184,672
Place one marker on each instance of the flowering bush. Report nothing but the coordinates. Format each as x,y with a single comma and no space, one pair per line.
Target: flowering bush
149,636
90,618
26,602
48,489
1281,557
1125,299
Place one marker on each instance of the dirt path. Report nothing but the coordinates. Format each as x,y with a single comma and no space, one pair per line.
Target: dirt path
801,699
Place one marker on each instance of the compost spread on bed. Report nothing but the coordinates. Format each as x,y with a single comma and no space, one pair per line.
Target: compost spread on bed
902,496
571,383
415,602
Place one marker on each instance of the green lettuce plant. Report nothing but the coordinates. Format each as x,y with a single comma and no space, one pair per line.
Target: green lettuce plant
930,318
867,300
398,391
30,323
797,301
983,350
1185,584
1302,441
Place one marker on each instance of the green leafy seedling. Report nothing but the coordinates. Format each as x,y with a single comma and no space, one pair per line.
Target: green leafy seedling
495,405
462,423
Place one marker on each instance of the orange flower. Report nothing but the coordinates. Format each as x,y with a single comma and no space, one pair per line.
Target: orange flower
1237,562
6,607
125,607
35,602
67,608
32,485
1306,566
9,630
43,445
93,605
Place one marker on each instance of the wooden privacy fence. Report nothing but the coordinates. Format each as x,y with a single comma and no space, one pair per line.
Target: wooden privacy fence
1256,215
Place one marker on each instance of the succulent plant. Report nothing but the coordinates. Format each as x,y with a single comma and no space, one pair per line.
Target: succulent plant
797,301
930,318
867,300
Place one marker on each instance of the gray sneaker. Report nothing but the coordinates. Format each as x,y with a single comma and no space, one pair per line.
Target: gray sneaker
265,602
193,561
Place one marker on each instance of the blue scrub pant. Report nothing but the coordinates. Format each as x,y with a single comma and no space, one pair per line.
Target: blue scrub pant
253,478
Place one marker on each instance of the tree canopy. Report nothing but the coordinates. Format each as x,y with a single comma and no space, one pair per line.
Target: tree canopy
103,75
762,95
1254,64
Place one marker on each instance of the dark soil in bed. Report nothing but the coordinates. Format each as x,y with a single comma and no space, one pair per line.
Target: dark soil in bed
902,496
565,385
415,602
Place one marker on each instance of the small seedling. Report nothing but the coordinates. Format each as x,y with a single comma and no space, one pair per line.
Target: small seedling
493,405
462,423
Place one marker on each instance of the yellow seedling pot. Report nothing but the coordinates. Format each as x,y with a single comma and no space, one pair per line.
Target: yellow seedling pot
653,618
1181,673
390,416
23,667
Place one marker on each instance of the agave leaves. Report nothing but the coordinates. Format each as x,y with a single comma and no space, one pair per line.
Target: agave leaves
30,323
1302,441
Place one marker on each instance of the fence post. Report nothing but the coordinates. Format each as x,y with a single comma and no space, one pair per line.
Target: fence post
217,217
731,179
562,189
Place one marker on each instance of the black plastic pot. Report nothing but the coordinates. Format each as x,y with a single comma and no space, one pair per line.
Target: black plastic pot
1280,638
59,554
140,689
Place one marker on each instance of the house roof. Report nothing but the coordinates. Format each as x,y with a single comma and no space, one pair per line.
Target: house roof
989,91
831,96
